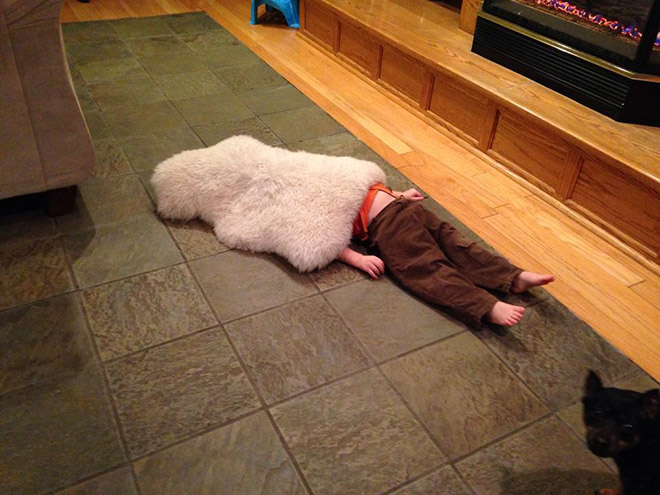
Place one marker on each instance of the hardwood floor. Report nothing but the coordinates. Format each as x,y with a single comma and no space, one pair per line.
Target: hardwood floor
617,296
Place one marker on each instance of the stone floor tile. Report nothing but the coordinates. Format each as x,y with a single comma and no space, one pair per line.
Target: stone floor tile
97,125
190,24
23,218
110,159
118,250
106,200
77,78
140,27
156,45
142,311
171,392
229,56
255,127
32,269
342,144
190,84
172,63
388,320
257,74
271,99
109,70
292,348
41,342
463,393
117,482
145,178
88,32
301,124
133,120
239,283
551,350
56,434
444,481
355,437
244,457
148,150
136,91
209,40
195,239
85,99
82,53
336,274
213,109
544,458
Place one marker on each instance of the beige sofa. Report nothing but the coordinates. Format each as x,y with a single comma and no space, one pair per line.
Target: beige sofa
44,141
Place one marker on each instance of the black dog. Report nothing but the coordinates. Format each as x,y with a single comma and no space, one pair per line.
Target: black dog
625,425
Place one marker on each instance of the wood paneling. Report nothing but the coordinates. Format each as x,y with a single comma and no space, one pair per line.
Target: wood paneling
630,204
456,104
571,172
530,148
360,48
320,23
469,9
403,73
529,142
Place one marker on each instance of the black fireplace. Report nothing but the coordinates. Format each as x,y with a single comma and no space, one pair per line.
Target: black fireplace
603,53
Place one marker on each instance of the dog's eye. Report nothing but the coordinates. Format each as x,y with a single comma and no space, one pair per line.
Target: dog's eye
627,427
597,413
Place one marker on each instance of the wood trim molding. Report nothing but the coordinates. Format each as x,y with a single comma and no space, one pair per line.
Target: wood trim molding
429,81
489,126
570,175
335,41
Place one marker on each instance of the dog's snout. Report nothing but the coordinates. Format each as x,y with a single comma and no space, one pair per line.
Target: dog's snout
599,445
600,441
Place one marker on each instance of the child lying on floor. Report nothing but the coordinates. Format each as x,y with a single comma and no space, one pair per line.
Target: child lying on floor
433,260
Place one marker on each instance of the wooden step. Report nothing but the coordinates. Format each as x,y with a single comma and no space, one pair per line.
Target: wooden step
605,173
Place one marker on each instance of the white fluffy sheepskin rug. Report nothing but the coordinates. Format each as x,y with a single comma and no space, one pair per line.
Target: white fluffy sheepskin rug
265,199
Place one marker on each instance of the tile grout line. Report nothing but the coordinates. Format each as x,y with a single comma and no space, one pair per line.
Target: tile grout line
318,387
158,345
414,479
197,434
260,398
86,479
513,372
473,491
422,347
389,383
501,438
109,394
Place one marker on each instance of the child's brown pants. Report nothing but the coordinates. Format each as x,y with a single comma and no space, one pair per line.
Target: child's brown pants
435,261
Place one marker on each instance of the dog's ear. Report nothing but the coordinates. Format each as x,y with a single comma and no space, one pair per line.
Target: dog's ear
651,402
593,383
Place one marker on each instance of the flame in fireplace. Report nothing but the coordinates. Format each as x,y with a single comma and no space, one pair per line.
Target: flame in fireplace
631,31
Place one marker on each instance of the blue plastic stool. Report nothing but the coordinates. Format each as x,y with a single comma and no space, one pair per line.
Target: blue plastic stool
288,7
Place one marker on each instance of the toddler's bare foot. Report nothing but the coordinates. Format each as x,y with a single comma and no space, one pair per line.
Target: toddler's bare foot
526,280
505,314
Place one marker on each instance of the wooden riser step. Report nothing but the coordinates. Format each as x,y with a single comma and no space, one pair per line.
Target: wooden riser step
597,169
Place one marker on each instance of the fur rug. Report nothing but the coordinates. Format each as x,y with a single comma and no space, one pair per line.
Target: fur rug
265,199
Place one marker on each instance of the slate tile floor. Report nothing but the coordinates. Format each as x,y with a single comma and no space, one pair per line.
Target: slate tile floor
143,357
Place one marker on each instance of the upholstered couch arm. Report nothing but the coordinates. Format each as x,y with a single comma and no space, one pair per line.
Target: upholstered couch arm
44,141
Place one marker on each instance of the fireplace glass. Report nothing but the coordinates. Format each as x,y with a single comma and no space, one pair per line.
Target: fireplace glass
623,32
